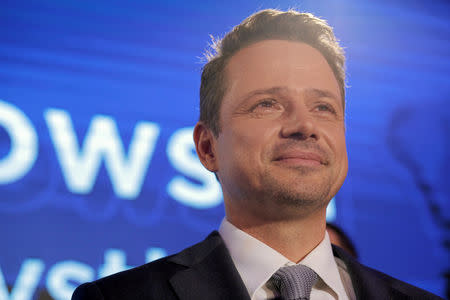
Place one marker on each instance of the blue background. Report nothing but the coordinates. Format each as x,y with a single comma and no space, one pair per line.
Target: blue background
140,61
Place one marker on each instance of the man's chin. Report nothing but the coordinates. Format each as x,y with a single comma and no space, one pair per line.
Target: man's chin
302,195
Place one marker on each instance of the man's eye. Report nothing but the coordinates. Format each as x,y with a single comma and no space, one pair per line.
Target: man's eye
326,108
268,103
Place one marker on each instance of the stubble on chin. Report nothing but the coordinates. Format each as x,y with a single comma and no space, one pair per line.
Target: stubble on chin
293,195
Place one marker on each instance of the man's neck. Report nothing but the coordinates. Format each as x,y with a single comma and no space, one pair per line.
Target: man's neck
293,238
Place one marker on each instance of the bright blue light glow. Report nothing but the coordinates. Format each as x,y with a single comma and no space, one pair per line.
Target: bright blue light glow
60,275
26,282
115,261
331,210
180,151
24,143
154,254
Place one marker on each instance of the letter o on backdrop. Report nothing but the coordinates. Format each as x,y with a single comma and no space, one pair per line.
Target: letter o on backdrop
24,143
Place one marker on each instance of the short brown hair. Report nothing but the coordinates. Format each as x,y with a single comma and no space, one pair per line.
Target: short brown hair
264,25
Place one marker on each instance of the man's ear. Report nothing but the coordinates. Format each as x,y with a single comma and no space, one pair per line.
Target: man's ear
205,144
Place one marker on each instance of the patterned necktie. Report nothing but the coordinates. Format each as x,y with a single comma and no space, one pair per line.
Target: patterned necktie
294,282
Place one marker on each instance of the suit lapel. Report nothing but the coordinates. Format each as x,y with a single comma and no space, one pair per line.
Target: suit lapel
210,272
366,282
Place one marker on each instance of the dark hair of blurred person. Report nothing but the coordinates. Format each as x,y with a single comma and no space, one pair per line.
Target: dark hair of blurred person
339,238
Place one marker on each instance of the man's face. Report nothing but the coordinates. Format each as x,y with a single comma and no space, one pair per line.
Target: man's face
282,139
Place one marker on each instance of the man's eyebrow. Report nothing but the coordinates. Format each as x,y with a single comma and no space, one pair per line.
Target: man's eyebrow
271,90
321,93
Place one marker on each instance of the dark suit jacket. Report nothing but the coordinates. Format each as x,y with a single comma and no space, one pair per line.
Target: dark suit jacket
206,271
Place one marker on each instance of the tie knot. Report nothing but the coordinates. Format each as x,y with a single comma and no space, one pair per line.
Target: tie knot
294,282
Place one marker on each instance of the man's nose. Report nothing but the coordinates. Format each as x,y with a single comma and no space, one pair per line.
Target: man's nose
299,125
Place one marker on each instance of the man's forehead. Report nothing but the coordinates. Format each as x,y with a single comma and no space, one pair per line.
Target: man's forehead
278,66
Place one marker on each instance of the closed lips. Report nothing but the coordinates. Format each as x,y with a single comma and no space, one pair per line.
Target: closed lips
301,156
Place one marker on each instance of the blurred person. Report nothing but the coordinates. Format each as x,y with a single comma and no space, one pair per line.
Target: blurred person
271,128
339,238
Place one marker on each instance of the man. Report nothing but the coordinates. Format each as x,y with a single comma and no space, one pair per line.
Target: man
272,130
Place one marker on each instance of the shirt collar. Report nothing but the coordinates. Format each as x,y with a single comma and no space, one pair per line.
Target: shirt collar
322,261
256,262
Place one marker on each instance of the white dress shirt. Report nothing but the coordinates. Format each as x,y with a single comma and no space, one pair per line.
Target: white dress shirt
256,263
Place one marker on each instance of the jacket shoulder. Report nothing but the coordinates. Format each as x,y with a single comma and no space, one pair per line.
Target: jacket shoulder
402,289
149,281
369,283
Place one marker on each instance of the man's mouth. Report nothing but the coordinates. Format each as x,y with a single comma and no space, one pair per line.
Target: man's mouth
301,158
